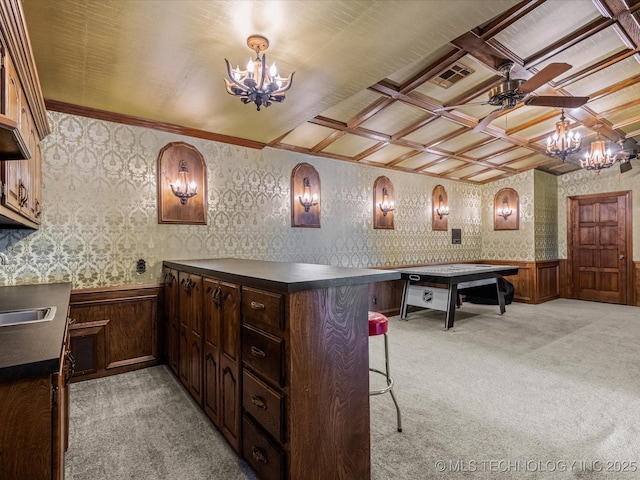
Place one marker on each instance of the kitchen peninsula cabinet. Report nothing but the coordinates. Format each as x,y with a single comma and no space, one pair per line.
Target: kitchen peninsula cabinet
23,123
292,339
35,369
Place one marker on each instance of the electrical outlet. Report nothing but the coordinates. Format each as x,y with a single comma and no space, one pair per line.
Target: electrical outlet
375,300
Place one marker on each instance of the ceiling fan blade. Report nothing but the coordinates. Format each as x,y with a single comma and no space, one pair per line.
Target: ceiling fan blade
556,101
486,120
453,107
549,72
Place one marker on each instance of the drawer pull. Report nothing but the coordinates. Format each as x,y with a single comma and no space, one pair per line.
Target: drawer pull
259,456
257,306
256,352
258,402
414,278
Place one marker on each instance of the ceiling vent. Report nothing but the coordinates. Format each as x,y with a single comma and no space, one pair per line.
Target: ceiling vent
452,75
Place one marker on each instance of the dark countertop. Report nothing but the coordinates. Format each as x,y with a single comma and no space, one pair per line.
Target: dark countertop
281,276
33,349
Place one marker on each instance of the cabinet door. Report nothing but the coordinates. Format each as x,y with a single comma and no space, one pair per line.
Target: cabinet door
15,174
212,313
190,305
11,103
60,411
230,417
195,367
184,355
230,333
211,388
35,176
172,323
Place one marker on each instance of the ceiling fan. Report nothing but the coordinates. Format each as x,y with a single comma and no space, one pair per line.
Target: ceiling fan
509,93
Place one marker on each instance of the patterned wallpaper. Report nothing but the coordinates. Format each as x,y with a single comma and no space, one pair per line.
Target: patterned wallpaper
585,182
100,212
545,191
510,244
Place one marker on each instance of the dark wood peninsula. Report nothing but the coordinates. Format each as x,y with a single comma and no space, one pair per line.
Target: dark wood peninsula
277,355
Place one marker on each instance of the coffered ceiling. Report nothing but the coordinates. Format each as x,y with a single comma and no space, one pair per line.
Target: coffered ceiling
375,82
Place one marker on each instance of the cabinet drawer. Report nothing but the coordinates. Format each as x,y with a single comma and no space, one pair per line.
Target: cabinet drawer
264,353
264,404
262,309
261,453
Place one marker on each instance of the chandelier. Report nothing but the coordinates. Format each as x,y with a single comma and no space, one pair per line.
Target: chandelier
257,84
599,157
563,141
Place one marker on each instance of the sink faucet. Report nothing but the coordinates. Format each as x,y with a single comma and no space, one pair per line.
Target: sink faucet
4,260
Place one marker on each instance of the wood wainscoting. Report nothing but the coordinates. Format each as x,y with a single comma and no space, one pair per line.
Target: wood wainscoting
115,330
536,282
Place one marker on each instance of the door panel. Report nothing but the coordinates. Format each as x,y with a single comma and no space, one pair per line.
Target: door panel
599,241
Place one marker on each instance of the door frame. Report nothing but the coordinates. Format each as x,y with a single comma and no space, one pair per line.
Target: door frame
628,284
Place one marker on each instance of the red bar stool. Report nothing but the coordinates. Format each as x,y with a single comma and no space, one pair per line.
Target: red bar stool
378,325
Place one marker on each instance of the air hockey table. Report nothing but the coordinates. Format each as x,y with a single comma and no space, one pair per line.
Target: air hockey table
453,277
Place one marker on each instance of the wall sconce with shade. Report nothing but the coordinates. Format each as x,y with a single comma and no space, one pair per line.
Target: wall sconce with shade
440,202
181,172
383,204
183,188
598,157
506,205
257,84
305,196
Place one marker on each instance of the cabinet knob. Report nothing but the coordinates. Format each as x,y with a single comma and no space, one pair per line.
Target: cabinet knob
256,352
257,306
258,402
259,456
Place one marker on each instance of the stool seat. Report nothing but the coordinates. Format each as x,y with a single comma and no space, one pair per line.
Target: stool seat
378,324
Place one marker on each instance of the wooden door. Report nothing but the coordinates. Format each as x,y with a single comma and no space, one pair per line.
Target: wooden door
599,247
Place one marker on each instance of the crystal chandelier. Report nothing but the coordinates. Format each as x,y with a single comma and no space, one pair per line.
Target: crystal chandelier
599,157
563,141
257,84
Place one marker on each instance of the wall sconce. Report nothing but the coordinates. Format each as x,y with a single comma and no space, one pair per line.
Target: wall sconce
182,182
506,204
307,199
305,193
383,204
386,205
442,209
440,202
504,211
182,175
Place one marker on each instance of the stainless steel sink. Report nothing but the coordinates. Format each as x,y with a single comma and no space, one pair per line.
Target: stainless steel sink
34,315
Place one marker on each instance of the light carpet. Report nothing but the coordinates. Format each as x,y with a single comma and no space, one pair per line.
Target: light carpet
544,391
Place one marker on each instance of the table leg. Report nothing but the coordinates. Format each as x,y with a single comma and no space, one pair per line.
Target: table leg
405,297
451,306
500,295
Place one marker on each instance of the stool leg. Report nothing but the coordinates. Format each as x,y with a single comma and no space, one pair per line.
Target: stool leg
388,375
